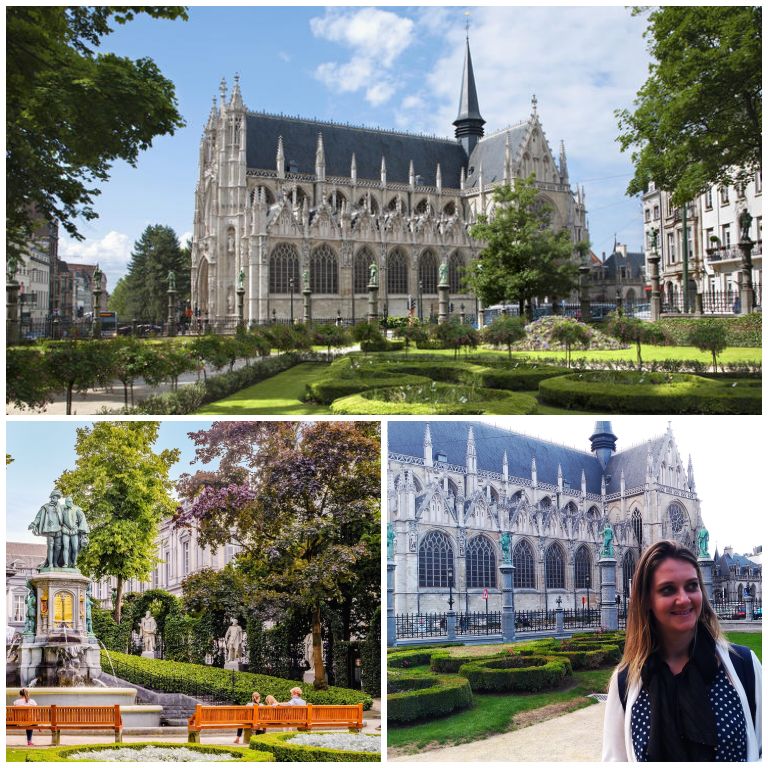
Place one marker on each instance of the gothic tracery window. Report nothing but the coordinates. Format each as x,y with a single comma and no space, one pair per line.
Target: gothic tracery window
362,269
428,273
481,563
554,567
435,557
637,526
455,272
525,568
397,273
676,517
582,568
324,270
628,569
284,266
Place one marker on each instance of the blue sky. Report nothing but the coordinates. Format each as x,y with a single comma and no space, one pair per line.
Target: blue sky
725,450
394,67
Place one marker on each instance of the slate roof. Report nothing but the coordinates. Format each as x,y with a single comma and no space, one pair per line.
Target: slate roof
340,141
740,561
490,153
450,438
634,462
633,261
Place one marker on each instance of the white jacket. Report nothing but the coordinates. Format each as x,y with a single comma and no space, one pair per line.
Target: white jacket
617,731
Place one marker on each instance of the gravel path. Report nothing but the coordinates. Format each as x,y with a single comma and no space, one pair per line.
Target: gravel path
575,737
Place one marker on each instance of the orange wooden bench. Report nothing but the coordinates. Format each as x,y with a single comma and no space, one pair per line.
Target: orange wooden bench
282,716
56,718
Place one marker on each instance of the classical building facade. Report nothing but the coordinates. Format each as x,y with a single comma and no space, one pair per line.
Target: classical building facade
620,275
714,259
36,275
287,207
455,487
733,573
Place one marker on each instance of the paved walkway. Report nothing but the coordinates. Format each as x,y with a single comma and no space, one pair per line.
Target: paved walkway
575,737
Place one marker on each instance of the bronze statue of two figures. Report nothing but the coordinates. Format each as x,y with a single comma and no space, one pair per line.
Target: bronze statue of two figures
65,529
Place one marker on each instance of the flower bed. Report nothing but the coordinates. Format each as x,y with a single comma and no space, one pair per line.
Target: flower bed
538,335
516,673
317,747
146,752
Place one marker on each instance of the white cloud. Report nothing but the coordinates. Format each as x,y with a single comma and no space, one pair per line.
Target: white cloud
112,253
375,39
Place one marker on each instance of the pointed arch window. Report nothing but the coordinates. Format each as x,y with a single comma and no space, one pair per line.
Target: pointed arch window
582,568
397,273
428,273
554,567
284,267
324,270
677,517
435,557
628,571
525,567
481,563
455,272
637,526
362,268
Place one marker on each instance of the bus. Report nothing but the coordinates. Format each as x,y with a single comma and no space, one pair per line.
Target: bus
108,323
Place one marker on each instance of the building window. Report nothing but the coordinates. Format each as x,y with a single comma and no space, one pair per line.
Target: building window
726,238
284,267
323,270
435,557
397,273
362,270
708,198
455,272
230,551
670,247
167,559
741,190
19,607
676,516
758,182
525,570
185,558
637,527
628,571
554,570
481,563
582,568
428,273
647,214
724,195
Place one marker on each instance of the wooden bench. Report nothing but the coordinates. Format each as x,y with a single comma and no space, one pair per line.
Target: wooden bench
56,718
251,718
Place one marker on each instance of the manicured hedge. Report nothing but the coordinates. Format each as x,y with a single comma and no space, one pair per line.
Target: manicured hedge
519,378
409,658
516,673
413,697
647,393
62,754
226,685
283,752
446,663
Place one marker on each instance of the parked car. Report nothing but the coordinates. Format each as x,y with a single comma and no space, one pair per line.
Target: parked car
758,613
739,612
642,312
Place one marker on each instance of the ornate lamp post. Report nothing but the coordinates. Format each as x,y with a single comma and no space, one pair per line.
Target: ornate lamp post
421,301
97,274
450,587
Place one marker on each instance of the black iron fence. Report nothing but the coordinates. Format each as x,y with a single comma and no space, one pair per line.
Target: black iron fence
415,625
733,610
478,623
581,618
534,621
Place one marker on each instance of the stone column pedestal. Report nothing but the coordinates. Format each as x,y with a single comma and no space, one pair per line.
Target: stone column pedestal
609,611
96,326
391,624
240,307
307,306
442,306
749,606
746,291
507,603
654,260
480,316
559,622
451,625
705,566
171,312
373,303
148,655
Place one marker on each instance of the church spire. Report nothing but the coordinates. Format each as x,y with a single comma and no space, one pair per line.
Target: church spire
469,122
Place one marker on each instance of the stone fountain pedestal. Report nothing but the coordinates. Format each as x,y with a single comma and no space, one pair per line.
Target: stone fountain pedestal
60,652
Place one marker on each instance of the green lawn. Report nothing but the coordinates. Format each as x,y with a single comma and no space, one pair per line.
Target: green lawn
280,395
753,640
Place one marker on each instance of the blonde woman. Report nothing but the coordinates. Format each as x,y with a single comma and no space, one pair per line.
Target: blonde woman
254,702
681,692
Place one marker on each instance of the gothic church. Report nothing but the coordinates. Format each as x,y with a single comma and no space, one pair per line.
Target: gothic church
288,207
455,487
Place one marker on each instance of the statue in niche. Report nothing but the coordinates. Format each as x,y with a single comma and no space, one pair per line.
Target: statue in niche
233,641
148,632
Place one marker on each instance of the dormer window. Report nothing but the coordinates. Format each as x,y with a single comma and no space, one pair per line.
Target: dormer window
439,456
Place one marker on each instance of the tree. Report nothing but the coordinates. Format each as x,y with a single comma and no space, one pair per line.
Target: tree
523,257
301,499
569,332
455,335
72,112
156,253
118,299
630,330
124,488
697,120
504,331
78,365
330,336
709,336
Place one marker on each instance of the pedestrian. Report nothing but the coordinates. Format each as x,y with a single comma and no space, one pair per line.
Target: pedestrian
681,692
25,700
296,699
254,702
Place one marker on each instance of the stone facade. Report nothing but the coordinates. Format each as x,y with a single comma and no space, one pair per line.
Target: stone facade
733,572
454,488
288,208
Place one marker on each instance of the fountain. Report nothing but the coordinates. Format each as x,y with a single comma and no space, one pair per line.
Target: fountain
59,654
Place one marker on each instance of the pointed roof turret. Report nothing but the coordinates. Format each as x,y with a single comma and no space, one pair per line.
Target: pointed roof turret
469,122
691,481
353,169
320,158
236,99
563,164
280,159
383,171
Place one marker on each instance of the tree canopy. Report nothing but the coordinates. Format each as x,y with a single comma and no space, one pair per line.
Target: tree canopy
697,120
303,502
71,112
523,257
145,291
124,488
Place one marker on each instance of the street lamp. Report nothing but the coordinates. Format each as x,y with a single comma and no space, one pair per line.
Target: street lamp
421,301
290,285
450,587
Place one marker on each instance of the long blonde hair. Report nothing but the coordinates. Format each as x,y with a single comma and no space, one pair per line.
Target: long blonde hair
642,639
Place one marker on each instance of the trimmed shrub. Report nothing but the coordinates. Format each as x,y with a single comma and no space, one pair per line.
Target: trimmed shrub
283,752
646,393
410,658
425,696
225,685
62,754
446,663
520,378
516,673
